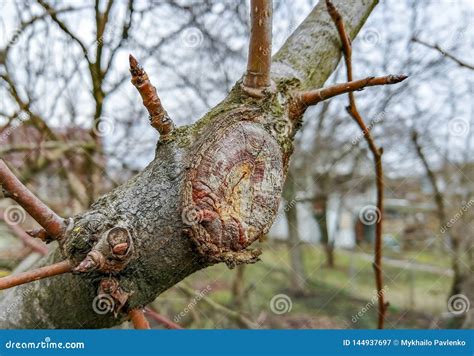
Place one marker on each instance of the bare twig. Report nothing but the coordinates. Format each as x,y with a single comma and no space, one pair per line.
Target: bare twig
313,97
36,274
54,16
260,47
161,319
241,319
159,118
138,319
27,240
47,218
377,155
444,53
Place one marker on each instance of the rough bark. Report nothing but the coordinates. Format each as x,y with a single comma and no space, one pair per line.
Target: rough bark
150,206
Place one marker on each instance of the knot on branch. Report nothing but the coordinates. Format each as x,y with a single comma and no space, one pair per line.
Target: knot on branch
111,254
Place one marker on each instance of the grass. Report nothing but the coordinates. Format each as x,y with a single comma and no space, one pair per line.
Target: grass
343,297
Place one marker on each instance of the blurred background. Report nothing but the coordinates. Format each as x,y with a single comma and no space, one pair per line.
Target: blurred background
73,127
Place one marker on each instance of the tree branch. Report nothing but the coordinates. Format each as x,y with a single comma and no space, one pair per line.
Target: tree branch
36,274
444,53
48,219
27,239
377,155
53,15
313,97
138,319
159,118
259,61
219,307
161,319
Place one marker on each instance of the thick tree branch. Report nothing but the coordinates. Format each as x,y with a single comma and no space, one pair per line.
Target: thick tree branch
47,218
159,118
260,47
377,155
36,274
151,204
312,52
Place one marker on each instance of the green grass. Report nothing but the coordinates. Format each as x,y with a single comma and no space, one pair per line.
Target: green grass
333,300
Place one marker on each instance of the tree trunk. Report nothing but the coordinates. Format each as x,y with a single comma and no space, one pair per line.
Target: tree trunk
238,145
320,214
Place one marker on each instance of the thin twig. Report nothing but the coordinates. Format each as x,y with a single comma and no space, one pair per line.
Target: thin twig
138,319
260,46
444,53
36,274
219,307
161,319
159,118
313,97
47,218
377,155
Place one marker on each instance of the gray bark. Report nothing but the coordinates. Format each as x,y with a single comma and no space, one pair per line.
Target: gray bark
150,205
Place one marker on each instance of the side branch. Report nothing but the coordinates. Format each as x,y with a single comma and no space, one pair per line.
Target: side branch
159,118
444,53
259,61
35,245
36,274
48,219
312,97
161,319
138,319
